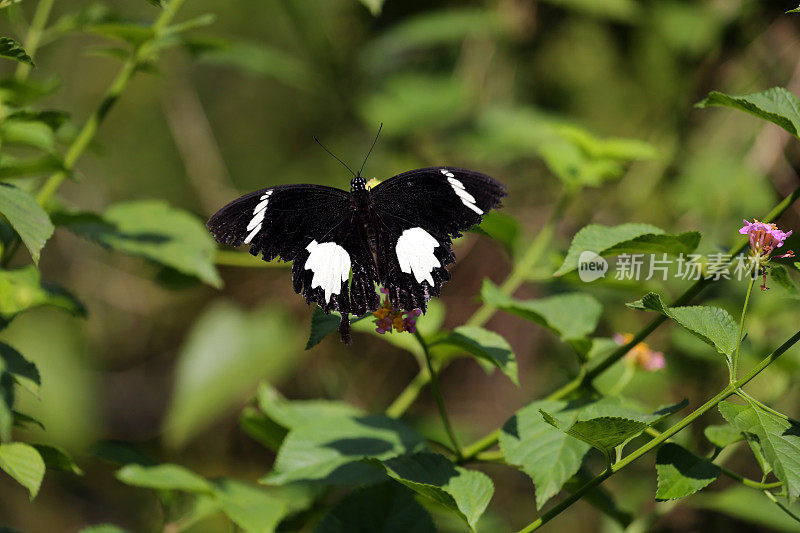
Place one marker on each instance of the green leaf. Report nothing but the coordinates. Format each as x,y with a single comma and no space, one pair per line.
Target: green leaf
712,325
13,50
323,325
606,423
21,420
501,227
260,60
549,456
262,428
103,528
30,133
57,459
781,276
23,463
776,105
743,503
6,405
21,289
570,316
681,473
14,167
227,352
626,239
163,477
330,449
485,345
385,508
135,34
301,413
28,219
154,230
464,492
374,6
779,439
723,435
431,28
13,362
251,508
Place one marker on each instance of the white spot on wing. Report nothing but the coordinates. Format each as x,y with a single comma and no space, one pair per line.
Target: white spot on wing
258,217
466,198
330,264
415,254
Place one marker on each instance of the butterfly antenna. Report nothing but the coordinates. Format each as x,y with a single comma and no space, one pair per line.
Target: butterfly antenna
370,148
336,158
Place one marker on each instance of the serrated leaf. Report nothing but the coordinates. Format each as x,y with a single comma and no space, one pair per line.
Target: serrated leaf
776,105
323,325
57,458
712,325
606,423
723,435
226,354
570,316
464,492
626,239
154,230
329,451
163,477
485,345
28,219
549,456
13,50
682,473
385,508
22,462
21,289
779,440
251,508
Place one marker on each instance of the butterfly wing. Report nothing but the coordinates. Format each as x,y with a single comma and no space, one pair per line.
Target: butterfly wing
313,226
419,213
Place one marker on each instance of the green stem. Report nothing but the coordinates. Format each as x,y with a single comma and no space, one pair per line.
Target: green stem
735,363
470,452
749,482
113,93
437,393
230,258
780,504
642,450
401,404
34,36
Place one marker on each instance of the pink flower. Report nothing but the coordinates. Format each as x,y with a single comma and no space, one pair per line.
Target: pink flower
384,325
764,239
641,355
387,318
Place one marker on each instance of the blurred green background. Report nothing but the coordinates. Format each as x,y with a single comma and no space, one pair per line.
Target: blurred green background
513,88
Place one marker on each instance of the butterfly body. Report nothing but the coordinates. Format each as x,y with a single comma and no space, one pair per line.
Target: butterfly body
397,234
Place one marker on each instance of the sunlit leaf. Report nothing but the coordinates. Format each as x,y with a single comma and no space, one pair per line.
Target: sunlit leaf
154,230
464,492
163,477
22,462
626,239
385,508
225,355
28,219
485,345
723,435
712,325
570,316
776,105
21,289
682,473
249,507
13,50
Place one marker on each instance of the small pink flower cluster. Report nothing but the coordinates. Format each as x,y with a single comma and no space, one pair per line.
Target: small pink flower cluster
388,318
764,239
641,355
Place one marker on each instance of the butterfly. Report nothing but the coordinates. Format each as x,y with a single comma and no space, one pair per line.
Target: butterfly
397,234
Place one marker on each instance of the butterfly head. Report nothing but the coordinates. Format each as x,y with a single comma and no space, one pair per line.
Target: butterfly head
358,184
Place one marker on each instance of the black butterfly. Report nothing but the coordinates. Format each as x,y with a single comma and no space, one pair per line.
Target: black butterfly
397,234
